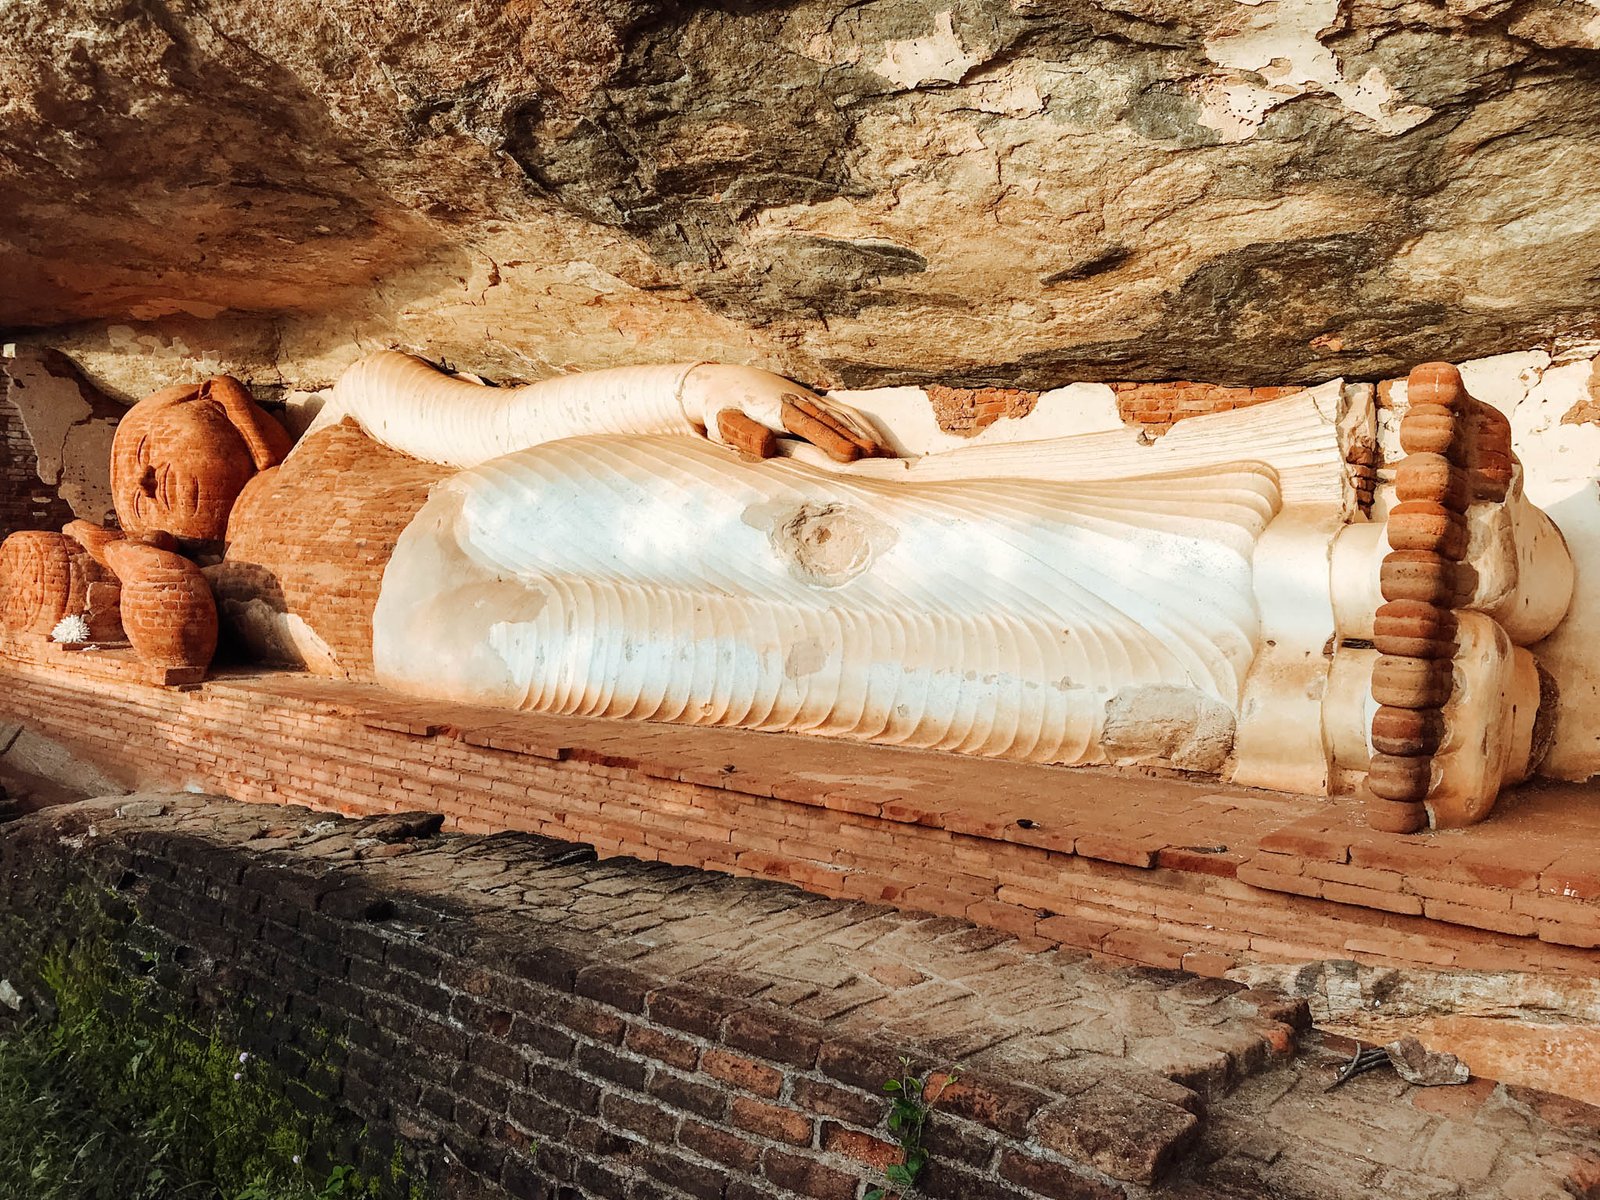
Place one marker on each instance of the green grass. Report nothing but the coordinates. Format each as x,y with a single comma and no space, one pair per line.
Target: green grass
113,1097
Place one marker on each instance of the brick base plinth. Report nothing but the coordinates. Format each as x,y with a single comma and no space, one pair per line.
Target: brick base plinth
1162,872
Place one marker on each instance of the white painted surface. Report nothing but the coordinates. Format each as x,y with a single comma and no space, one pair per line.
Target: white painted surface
906,417
1269,52
1023,594
661,578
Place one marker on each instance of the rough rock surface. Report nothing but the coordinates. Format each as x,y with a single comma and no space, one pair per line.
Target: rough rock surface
1006,192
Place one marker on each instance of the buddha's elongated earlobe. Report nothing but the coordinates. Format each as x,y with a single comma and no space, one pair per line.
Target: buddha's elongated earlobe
268,441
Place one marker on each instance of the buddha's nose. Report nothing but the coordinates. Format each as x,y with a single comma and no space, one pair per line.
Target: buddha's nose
147,481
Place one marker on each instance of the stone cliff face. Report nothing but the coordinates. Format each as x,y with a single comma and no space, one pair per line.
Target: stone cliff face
1007,192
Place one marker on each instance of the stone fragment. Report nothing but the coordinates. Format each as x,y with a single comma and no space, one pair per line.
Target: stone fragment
137,810
403,825
1416,1064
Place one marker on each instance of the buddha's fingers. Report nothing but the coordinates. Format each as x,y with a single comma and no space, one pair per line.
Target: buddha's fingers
747,436
823,429
850,423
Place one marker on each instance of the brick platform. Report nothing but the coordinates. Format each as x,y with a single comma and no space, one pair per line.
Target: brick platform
1163,872
537,1024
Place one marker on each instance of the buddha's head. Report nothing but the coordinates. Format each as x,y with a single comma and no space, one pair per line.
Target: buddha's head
181,457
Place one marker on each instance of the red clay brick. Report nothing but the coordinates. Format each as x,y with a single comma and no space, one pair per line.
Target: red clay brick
788,1041
1545,907
1471,895
1409,856
1369,878
1075,931
1479,918
1130,851
1144,947
664,1047
1513,867
808,1177
1574,876
1184,858
1386,901
1299,885
1008,917
720,1146
1562,933
828,1100
862,1147
772,1121
742,1072
1203,962
1309,843
1052,1180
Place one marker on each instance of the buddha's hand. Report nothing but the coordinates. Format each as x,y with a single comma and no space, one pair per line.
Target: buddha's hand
749,409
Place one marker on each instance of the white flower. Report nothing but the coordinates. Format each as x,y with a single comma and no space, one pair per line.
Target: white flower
244,1056
238,1075
296,1160
72,630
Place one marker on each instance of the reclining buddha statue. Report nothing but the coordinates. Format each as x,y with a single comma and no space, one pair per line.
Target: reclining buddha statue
716,545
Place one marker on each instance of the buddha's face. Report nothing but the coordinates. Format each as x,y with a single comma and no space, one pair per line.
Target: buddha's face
177,465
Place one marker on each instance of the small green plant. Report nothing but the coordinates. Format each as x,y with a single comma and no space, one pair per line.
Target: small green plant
107,1094
914,1101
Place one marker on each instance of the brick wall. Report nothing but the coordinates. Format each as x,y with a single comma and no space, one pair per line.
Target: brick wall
967,412
527,1052
1158,406
1139,870
312,537
26,501
528,1022
66,408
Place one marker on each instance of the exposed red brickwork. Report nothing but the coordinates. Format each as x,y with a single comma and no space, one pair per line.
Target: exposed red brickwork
1154,871
1584,412
44,379
26,501
167,610
1159,406
749,437
535,1023
36,581
47,576
301,546
182,455
967,412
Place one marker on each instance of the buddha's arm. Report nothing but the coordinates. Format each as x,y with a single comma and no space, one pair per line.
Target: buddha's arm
409,406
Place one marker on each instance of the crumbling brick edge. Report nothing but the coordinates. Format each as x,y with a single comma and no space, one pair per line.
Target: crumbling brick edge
527,1062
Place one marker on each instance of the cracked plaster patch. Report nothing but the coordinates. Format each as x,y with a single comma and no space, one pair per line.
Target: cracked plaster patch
70,432
940,57
1271,52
